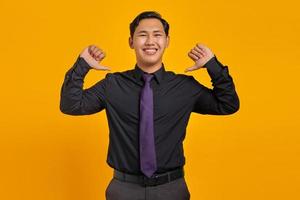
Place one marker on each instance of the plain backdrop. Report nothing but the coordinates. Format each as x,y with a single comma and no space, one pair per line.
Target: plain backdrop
252,154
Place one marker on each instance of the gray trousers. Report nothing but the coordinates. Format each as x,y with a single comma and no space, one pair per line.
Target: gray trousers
174,190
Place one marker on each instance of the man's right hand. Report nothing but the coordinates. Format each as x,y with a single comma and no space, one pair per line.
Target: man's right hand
93,55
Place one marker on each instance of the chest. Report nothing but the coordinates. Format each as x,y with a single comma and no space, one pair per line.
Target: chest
168,100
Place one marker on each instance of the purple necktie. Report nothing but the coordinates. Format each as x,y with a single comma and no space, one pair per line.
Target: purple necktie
147,145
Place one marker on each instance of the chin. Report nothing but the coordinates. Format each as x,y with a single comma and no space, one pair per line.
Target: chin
150,62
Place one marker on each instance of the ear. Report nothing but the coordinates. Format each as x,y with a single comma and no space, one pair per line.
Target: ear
168,41
130,41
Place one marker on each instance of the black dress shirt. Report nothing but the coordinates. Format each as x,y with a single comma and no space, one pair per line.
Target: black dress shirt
175,96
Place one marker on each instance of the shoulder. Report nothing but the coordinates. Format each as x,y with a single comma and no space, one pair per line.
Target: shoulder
118,76
188,81
171,75
114,75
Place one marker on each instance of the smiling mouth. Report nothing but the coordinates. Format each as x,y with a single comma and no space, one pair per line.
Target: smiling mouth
150,51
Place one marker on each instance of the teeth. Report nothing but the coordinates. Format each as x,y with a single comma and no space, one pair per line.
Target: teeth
150,51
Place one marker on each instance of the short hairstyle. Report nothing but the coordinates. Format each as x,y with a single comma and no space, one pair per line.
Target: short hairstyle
146,15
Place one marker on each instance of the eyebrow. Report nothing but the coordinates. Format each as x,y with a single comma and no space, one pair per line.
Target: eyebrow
156,31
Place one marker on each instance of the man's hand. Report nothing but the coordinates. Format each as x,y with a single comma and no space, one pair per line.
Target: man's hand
201,55
92,55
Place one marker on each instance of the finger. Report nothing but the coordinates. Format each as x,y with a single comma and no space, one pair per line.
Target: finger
191,68
197,53
92,47
94,51
193,56
101,54
201,46
101,67
204,48
100,57
91,50
97,50
97,53
200,51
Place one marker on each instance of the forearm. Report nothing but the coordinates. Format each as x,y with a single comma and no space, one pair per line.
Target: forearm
226,99
74,100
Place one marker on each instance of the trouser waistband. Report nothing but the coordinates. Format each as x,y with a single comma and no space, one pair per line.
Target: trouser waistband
156,179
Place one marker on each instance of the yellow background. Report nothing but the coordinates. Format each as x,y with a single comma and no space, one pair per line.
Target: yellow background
253,154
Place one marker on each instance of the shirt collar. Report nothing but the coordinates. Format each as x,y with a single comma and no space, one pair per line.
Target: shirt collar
158,74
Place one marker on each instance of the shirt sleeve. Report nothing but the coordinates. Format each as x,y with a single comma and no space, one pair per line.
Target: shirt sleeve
222,99
74,100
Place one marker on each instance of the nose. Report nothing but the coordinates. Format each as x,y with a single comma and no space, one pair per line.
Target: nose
149,40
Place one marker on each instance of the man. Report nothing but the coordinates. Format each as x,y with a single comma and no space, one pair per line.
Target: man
148,109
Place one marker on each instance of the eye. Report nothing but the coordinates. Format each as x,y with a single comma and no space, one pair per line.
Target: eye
157,35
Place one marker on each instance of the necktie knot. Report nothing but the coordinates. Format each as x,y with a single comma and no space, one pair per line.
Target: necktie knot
147,77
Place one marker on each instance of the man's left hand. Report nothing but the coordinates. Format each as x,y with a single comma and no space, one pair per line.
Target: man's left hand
200,54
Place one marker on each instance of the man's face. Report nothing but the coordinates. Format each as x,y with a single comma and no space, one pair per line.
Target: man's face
149,42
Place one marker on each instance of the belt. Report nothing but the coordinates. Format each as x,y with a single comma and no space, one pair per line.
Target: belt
156,179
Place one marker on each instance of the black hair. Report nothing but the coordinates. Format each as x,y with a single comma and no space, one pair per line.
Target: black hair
146,15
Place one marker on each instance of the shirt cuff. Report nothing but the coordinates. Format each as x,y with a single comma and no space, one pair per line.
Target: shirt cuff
83,66
214,67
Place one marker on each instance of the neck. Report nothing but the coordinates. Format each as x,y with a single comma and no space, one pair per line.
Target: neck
149,68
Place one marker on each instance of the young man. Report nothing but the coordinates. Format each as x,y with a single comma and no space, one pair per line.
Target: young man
148,109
